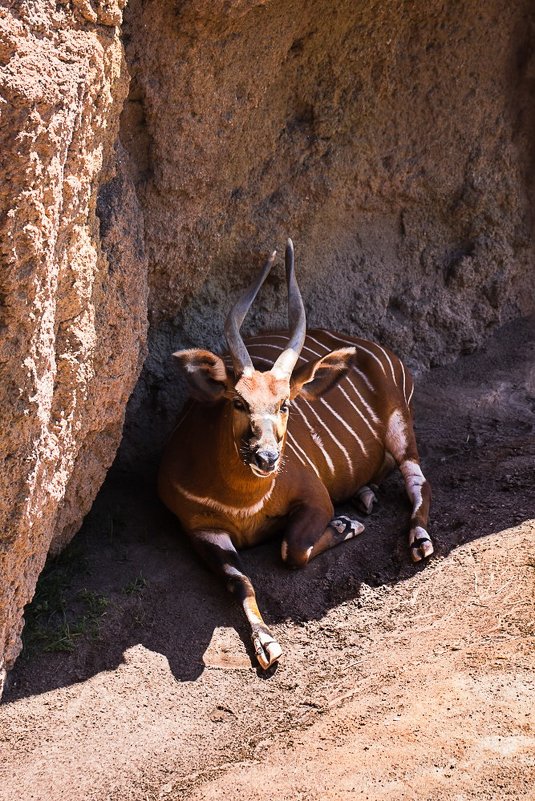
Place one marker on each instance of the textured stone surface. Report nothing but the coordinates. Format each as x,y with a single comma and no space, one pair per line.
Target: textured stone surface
73,280
393,141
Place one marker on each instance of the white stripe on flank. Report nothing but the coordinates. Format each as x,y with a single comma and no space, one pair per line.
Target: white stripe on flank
312,351
355,345
348,427
362,401
404,380
410,396
344,393
316,438
264,337
364,378
330,433
266,341
313,466
291,447
266,344
183,418
262,359
387,357
245,511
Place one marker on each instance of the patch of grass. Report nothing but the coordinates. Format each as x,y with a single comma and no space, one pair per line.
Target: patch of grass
136,586
59,617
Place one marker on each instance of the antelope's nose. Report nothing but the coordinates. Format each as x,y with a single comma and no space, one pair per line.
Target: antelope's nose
266,459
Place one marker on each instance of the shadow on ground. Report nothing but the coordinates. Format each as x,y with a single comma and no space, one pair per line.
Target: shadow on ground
129,577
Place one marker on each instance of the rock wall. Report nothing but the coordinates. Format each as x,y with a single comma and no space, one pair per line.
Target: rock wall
73,280
393,141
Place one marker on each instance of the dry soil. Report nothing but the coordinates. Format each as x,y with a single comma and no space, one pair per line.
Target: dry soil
397,681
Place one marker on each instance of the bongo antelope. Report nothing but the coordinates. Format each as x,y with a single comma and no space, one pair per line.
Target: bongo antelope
277,432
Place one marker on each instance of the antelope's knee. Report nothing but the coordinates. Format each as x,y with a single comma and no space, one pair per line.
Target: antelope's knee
293,556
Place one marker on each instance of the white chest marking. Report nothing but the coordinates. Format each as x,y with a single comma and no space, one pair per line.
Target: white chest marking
235,511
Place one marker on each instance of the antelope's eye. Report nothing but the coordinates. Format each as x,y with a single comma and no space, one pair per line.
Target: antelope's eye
285,407
239,404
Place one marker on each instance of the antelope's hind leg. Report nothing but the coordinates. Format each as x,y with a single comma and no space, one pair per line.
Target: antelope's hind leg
401,443
217,550
365,498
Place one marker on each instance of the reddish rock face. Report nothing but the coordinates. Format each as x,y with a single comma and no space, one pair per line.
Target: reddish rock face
392,141
73,285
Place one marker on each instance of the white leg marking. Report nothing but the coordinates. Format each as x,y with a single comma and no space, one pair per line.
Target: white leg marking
414,481
366,499
345,525
420,543
222,541
267,649
396,435
229,570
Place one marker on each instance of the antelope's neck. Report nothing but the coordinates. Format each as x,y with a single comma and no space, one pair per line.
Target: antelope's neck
216,472
237,482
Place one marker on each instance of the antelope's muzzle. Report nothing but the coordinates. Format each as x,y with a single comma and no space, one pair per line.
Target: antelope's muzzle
264,462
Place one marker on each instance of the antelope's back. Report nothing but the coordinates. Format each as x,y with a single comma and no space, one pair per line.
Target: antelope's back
340,436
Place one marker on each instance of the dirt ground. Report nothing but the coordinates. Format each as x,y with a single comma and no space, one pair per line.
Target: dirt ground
397,681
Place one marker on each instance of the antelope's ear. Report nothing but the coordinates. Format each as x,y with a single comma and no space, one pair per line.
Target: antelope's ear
206,374
315,378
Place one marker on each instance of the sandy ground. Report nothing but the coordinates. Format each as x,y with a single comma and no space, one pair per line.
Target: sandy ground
397,682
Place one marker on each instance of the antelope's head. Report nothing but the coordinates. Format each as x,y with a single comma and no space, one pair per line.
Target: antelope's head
258,402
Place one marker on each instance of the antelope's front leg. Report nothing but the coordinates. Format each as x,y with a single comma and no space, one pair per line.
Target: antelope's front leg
311,531
216,549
